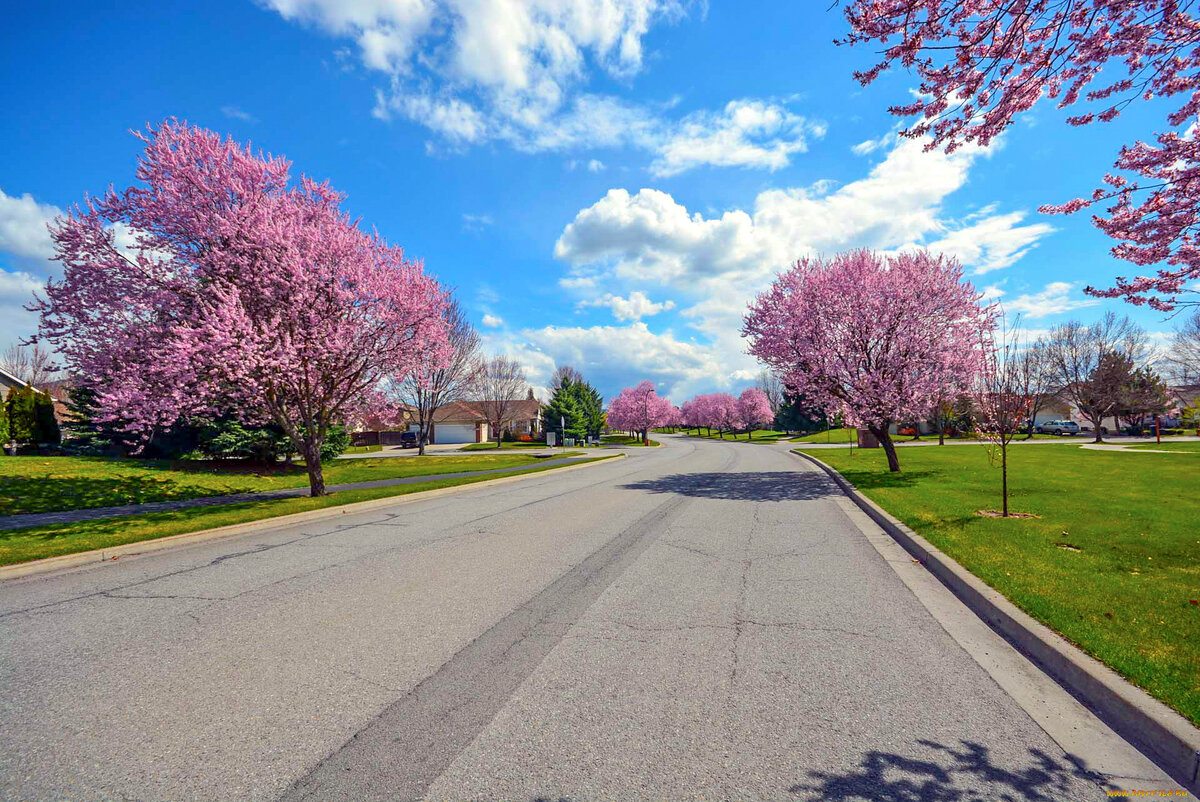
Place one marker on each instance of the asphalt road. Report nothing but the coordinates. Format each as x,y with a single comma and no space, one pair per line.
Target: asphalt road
699,621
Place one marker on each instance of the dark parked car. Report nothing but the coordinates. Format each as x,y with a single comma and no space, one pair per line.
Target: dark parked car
408,439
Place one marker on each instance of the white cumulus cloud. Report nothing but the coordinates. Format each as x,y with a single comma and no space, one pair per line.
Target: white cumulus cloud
1054,299
637,306
23,231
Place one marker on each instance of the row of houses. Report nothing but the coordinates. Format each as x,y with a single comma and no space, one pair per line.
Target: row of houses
1056,408
460,422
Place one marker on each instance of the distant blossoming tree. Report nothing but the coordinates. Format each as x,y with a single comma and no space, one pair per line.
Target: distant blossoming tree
214,285
754,410
639,409
982,63
869,337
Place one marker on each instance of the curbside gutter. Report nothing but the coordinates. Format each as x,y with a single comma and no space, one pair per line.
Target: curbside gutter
1158,731
67,561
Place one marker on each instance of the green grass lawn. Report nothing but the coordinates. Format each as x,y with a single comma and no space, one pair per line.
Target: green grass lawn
829,436
757,436
22,545
363,449
51,484
1190,446
624,440
851,435
503,446
1112,563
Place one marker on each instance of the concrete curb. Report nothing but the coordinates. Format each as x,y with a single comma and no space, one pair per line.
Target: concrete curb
1158,731
67,561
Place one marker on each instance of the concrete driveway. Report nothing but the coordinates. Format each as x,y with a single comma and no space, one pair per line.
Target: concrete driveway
703,620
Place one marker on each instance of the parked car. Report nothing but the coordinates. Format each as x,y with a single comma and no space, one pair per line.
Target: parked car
408,439
1058,427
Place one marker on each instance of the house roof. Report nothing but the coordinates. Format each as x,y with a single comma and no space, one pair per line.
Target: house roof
9,380
459,411
523,409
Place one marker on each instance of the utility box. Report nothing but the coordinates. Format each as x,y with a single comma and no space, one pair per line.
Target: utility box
866,439
551,437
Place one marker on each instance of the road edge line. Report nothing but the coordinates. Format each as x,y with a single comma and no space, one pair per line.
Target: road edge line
1159,732
63,562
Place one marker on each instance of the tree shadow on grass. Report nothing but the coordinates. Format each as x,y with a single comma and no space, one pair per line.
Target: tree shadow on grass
953,774
44,494
868,480
764,486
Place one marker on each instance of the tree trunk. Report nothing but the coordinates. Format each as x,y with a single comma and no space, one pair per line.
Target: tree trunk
1099,435
889,448
941,437
316,475
1004,476
645,437
421,439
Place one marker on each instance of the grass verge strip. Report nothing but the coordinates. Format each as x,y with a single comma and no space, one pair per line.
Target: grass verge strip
34,543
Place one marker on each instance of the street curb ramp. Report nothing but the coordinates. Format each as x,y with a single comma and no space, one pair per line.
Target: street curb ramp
1159,732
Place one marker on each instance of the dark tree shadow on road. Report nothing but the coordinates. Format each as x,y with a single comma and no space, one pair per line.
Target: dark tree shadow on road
957,774
767,486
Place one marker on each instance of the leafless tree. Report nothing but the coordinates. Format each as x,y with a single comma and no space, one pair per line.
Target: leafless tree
1038,377
1081,357
770,384
29,363
1002,400
564,374
426,390
1183,358
502,384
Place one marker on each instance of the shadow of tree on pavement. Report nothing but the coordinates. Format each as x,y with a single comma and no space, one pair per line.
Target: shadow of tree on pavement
950,774
764,486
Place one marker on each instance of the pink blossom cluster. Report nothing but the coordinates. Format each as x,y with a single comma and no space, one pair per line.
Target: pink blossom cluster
982,63
240,292
639,409
870,337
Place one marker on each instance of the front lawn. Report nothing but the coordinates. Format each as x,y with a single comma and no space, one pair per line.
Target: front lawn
757,436
32,543
829,436
624,440
1189,446
52,484
492,446
1112,563
363,449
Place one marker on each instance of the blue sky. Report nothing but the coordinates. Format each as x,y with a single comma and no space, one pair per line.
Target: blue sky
605,182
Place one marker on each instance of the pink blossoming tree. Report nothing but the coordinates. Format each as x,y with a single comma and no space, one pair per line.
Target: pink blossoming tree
639,409
754,409
870,337
982,63
216,285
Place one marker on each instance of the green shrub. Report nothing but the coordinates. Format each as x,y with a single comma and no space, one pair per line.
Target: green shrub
45,423
22,414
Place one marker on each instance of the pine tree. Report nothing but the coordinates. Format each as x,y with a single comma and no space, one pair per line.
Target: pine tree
22,414
45,423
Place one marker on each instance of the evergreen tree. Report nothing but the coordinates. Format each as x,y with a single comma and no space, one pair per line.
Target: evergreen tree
796,416
3,423
22,414
577,404
45,423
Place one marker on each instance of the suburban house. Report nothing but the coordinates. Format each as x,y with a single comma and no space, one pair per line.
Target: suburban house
459,422
8,382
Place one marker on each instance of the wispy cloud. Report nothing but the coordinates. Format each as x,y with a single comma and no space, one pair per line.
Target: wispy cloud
234,113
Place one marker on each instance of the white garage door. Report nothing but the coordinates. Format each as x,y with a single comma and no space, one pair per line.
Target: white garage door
454,433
